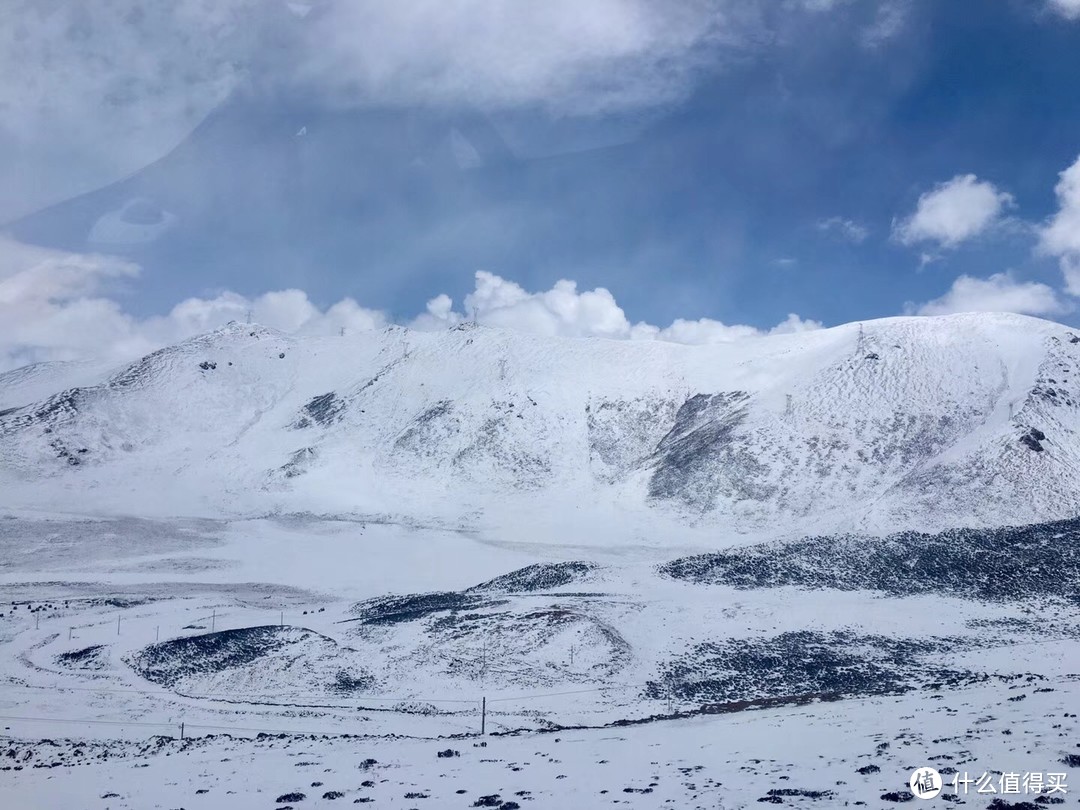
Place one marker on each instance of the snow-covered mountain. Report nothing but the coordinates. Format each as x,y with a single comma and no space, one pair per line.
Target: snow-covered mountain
507,533
921,423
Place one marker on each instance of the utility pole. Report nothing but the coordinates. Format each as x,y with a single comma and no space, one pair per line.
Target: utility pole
483,715
181,729
117,624
37,620
69,634
283,618
157,633
213,621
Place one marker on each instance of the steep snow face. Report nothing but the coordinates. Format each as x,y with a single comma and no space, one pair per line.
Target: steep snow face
922,423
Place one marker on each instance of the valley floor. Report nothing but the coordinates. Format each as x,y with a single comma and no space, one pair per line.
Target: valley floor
319,663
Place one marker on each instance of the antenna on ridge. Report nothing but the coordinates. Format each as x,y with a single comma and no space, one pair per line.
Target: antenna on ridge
249,316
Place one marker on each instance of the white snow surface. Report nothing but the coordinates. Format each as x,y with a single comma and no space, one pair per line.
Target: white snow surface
208,538
890,424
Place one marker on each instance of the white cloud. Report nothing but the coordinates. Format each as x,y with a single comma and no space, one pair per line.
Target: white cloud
1061,235
287,310
705,330
1069,9
50,308
57,306
564,311
954,212
847,229
562,54
92,91
793,324
141,62
998,293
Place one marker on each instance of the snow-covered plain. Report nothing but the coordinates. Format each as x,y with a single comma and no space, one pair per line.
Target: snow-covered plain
676,577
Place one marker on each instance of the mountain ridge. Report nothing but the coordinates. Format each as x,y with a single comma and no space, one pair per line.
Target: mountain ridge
899,423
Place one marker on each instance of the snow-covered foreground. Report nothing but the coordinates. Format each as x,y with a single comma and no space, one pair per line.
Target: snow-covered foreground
379,641
824,755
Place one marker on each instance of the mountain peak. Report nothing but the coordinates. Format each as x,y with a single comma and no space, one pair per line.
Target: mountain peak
908,422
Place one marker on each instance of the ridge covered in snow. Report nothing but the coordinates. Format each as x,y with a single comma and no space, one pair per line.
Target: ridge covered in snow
901,423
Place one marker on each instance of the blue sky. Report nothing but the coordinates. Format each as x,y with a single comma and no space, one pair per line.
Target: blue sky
714,166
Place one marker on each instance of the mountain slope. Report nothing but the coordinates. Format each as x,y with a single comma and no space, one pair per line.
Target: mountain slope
919,423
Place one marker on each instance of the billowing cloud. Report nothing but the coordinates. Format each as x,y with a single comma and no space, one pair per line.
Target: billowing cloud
954,212
998,293
50,308
57,306
288,310
707,330
1060,237
565,311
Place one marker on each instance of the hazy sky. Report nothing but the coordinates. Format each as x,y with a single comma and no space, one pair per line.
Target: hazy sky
691,170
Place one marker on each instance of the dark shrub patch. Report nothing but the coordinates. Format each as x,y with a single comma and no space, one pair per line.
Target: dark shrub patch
537,577
1002,564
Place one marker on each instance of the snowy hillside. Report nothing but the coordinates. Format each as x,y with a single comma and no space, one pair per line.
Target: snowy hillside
920,423
482,568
